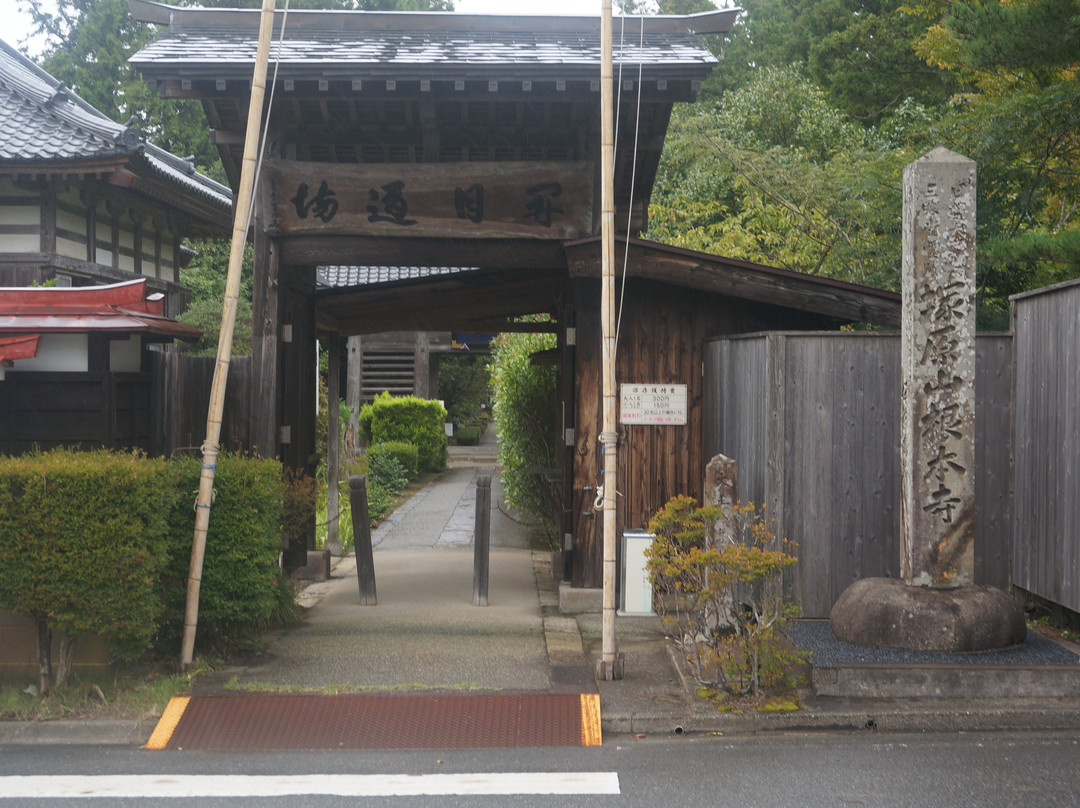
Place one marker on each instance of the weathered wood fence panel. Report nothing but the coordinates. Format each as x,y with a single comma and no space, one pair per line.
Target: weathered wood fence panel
813,420
82,410
182,385
1046,532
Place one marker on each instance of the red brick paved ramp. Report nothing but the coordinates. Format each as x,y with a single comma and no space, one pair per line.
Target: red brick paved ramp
378,721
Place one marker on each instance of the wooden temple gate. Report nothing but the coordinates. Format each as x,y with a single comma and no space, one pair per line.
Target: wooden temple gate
464,150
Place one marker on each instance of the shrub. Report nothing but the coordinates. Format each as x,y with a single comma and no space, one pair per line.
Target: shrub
386,472
723,604
405,454
468,436
411,420
82,544
241,579
526,414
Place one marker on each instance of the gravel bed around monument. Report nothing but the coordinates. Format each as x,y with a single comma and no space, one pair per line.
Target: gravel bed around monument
816,637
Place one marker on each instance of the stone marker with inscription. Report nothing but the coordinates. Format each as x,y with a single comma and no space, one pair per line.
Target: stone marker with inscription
936,606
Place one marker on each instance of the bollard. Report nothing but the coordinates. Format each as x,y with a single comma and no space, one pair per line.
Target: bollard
482,540
365,563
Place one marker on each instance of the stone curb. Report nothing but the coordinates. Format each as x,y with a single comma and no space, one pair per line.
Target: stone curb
76,733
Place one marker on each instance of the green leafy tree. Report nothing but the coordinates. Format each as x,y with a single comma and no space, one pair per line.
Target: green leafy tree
206,278
1017,114
463,385
859,51
777,175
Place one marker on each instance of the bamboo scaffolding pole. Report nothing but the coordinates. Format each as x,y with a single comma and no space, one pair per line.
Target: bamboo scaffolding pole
210,447
609,666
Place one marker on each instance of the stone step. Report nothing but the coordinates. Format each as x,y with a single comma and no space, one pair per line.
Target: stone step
947,681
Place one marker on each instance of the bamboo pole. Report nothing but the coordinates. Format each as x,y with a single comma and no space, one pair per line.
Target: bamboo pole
210,447
608,666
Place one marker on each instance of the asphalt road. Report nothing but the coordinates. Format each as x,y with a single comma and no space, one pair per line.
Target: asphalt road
936,771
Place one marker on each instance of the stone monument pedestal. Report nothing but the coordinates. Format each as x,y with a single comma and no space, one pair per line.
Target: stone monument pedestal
887,612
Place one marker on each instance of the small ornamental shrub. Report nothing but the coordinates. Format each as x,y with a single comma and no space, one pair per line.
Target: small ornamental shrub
82,547
241,580
386,472
405,454
411,420
723,604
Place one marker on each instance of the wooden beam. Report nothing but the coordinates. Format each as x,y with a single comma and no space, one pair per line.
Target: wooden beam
496,253
765,284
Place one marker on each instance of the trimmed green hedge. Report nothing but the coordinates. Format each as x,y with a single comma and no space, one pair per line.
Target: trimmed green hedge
84,540
404,453
241,577
100,543
411,420
468,435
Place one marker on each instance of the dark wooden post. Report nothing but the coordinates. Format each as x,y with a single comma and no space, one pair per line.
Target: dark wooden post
482,540
365,562
333,536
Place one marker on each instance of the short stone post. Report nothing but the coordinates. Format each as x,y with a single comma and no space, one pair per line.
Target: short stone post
936,606
365,561
722,489
482,541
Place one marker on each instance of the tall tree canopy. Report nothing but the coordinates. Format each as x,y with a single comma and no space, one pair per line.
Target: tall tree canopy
793,155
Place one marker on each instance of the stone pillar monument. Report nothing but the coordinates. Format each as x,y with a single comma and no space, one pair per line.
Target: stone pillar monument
937,359
937,605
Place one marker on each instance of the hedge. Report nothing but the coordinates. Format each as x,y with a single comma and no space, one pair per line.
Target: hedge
411,420
404,453
83,542
241,577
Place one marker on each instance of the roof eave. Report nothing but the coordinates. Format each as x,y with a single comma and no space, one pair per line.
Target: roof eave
194,18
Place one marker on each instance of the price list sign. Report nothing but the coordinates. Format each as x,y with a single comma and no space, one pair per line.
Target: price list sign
658,404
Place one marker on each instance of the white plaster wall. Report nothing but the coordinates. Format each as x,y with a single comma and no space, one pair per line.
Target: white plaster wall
127,241
26,216
75,223
21,214
65,353
20,243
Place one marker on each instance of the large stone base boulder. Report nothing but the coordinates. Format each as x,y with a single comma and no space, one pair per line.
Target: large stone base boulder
887,612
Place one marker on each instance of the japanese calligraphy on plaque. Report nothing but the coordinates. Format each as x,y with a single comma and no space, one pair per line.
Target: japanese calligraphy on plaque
657,404
458,200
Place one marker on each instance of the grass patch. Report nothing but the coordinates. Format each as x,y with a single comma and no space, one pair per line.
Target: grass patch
125,695
333,690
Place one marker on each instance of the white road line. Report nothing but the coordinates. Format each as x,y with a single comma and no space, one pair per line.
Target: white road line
341,785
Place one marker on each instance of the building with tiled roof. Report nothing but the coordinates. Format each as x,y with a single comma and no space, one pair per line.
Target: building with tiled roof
85,200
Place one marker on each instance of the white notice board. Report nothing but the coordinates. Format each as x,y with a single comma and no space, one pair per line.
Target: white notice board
652,404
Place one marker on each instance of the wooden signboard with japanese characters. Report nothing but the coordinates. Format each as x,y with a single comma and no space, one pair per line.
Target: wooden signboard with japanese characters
455,200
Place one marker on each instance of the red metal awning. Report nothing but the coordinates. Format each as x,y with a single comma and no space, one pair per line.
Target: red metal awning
117,308
21,347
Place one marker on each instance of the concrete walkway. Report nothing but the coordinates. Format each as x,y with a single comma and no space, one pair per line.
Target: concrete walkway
424,632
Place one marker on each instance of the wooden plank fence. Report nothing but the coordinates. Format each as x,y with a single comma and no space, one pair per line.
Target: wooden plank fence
813,420
1046,528
89,410
182,396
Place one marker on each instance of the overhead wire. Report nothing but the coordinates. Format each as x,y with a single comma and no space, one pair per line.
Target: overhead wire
265,136
633,175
